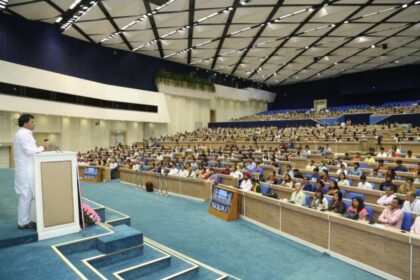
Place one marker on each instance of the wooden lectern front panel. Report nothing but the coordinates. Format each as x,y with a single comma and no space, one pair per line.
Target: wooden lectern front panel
57,193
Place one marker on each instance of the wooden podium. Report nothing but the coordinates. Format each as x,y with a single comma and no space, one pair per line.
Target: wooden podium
56,194
224,203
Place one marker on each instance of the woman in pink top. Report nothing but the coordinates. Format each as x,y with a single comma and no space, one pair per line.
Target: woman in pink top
357,206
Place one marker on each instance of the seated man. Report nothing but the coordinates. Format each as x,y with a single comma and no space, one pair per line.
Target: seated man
400,167
297,174
407,186
298,196
392,215
369,158
387,198
251,166
311,165
411,204
388,183
355,171
246,183
307,186
382,153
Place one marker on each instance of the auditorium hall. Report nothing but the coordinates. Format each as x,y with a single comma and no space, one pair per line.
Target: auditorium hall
209,139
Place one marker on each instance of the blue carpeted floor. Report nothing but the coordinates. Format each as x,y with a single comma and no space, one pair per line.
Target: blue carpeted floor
239,248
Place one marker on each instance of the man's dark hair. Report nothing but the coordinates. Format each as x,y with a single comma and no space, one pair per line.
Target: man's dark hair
24,118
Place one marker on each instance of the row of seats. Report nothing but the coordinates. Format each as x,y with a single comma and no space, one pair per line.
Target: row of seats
406,224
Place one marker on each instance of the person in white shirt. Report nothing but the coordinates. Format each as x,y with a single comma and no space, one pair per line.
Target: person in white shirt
24,147
411,204
174,171
183,173
342,180
382,153
387,198
311,165
342,169
363,184
236,173
417,180
319,202
341,163
298,196
246,183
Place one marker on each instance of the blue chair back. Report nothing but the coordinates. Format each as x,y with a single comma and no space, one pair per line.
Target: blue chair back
333,179
329,199
265,189
308,175
353,195
406,224
418,192
343,193
364,165
218,179
308,198
373,185
350,182
370,213
347,204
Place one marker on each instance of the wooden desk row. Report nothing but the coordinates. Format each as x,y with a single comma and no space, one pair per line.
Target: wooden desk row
190,187
383,251
284,192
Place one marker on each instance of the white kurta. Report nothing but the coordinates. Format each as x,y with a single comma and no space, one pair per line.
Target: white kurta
24,147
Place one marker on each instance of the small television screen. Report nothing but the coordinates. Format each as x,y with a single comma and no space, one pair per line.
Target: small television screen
221,199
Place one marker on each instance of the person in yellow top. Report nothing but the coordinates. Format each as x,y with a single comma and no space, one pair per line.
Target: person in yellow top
369,158
407,187
256,187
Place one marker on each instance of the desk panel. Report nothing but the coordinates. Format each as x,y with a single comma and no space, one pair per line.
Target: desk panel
306,224
260,210
385,250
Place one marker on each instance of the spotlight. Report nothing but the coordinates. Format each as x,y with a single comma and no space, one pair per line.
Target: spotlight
384,46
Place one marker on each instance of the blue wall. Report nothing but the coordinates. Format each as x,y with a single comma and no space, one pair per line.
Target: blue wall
42,46
371,87
285,123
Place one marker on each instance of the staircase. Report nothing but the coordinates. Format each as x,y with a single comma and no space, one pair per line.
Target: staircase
122,254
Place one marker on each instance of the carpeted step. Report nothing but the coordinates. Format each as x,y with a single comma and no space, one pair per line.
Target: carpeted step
124,237
114,218
109,259
108,268
10,235
179,269
144,269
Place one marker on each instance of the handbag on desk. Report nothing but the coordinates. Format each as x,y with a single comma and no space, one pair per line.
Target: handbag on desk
351,215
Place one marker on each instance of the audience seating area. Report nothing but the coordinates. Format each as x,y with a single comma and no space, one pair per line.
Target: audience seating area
273,161
388,108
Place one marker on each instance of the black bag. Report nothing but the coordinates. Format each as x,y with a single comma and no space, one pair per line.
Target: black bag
149,186
351,215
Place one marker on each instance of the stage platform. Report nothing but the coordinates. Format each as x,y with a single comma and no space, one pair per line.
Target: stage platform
111,249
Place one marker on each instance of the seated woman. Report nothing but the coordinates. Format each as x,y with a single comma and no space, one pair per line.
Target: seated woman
319,202
256,186
333,188
342,180
324,176
337,205
320,186
358,208
272,178
287,181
